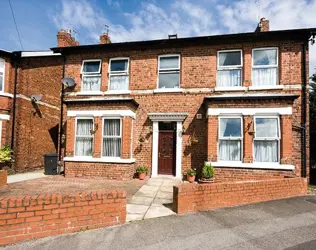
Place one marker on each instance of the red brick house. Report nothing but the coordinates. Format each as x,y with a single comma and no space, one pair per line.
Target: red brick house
238,101
29,127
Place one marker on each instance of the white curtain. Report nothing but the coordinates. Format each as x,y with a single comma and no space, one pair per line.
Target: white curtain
2,63
171,62
111,138
264,76
118,82
228,78
1,81
229,150
84,139
266,151
91,83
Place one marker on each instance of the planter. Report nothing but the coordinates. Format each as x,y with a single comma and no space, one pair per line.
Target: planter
3,177
190,178
206,181
141,176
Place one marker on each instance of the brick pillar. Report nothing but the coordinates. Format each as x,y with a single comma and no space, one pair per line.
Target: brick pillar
126,137
97,145
3,177
248,139
70,137
286,140
247,68
212,135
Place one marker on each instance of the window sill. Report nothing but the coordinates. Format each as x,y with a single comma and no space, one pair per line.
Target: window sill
266,87
258,165
6,94
90,93
102,159
238,88
168,90
117,92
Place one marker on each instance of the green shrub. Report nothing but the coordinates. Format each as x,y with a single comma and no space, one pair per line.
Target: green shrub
5,154
207,171
191,172
141,169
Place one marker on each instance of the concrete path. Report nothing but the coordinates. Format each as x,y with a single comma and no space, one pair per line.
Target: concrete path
26,176
152,200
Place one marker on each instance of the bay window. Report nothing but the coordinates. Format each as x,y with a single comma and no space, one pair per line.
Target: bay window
119,74
169,72
2,68
91,76
112,137
84,136
267,139
229,68
264,67
230,139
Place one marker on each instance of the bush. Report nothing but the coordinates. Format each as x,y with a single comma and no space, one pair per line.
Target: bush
207,171
191,172
141,169
5,154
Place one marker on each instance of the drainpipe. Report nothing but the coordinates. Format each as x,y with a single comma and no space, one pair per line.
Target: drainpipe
61,114
303,111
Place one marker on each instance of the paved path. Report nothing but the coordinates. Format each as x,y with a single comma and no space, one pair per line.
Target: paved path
152,200
26,176
283,224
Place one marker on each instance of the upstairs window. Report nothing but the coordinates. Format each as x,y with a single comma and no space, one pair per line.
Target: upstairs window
265,67
84,137
267,139
230,138
229,68
112,137
169,72
118,74
2,68
91,76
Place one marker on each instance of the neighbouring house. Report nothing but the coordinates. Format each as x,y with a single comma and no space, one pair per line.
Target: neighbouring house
30,86
239,101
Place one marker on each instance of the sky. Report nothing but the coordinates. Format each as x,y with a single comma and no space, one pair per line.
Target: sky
131,20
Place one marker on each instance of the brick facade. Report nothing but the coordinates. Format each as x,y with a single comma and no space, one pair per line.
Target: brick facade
196,197
27,218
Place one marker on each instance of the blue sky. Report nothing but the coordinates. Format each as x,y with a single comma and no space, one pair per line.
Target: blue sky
130,20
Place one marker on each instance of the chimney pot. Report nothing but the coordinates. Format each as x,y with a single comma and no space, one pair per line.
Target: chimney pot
105,38
263,25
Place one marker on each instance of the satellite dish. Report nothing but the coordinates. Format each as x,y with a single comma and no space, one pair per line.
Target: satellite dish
68,82
36,98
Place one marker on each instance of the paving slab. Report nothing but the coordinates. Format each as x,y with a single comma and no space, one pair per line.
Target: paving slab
136,209
162,201
26,176
141,200
164,195
157,210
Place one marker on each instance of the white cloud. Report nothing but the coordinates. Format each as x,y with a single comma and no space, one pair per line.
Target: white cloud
186,18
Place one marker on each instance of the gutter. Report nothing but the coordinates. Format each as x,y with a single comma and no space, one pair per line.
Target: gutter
303,111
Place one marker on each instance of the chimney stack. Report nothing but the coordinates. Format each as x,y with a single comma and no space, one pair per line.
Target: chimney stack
104,38
263,25
64,39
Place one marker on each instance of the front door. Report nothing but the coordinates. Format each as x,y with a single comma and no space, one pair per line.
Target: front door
166,152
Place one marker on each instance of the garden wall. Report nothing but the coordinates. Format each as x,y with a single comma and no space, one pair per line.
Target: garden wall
33,217
198,197
3,177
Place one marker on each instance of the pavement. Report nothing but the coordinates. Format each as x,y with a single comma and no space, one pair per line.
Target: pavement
26,176
153,199
282,224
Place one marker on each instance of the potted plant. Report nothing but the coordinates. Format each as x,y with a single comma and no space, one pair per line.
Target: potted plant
207,173
5,158
141,171
191,173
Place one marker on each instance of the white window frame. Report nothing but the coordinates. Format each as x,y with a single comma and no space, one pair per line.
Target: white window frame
111,136
118,73
241,139
255,138
92,136
98,73
265,66
3,74
169,70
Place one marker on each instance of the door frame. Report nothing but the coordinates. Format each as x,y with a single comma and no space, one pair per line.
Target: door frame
170,117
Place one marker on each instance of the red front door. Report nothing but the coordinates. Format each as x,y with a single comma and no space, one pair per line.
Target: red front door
166,154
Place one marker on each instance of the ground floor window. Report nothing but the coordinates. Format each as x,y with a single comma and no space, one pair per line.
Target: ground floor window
84,137
112,137
267,139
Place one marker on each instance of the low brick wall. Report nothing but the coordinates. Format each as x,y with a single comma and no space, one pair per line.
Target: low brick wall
3,177
111,171
199,197
33,217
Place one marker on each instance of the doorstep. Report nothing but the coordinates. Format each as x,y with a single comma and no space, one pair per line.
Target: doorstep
154,199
